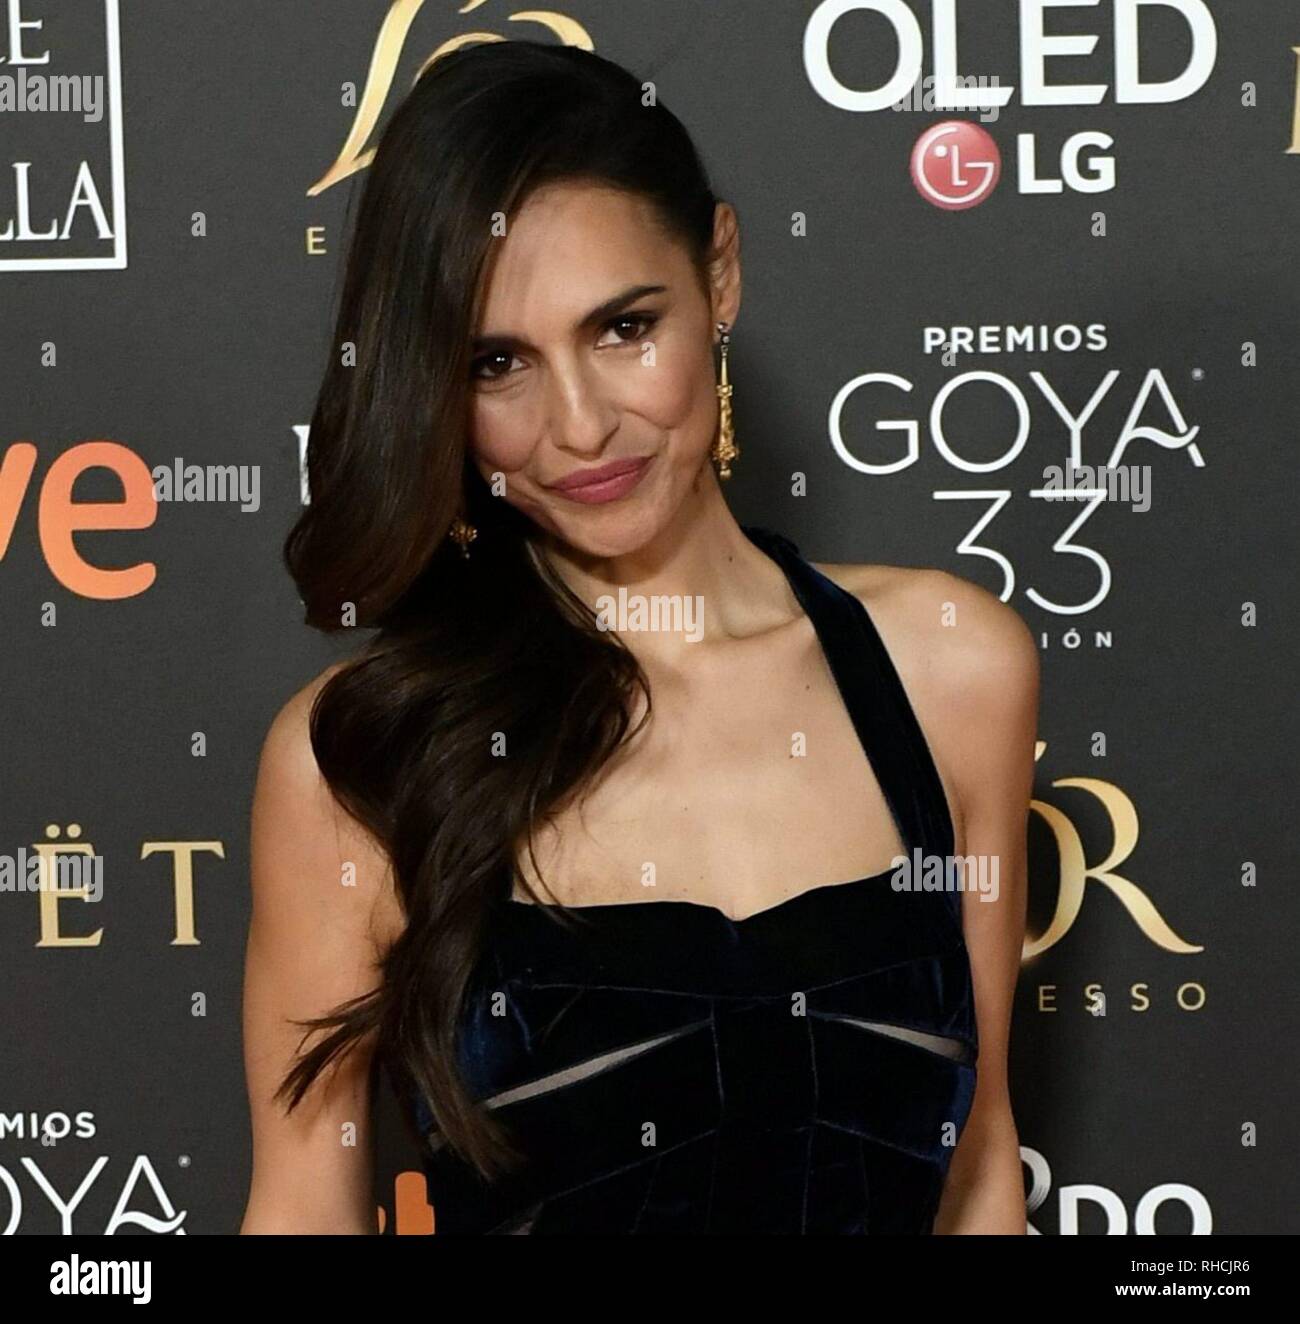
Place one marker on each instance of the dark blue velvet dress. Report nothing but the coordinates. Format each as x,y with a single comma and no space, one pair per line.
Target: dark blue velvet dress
807,1069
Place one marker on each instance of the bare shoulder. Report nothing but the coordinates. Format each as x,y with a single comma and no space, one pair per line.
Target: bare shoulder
970,667
286,752
943,631
303,839
290,789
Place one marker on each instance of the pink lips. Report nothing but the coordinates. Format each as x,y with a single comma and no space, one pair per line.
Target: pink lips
606,483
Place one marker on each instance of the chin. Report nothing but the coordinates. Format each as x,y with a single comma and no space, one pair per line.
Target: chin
617,529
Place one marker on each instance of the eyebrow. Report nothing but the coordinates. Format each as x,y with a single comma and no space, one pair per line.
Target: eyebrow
507,341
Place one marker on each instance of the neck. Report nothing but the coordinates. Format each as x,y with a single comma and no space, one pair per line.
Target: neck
702,554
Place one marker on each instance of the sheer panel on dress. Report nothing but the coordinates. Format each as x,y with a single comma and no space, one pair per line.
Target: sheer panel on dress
957,1049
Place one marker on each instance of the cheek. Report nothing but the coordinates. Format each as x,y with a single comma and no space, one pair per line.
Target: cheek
673,393
501,440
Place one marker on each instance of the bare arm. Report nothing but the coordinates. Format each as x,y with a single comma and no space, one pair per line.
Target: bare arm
313,943
989,674
970,667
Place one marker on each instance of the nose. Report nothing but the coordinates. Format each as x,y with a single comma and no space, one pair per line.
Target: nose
580,418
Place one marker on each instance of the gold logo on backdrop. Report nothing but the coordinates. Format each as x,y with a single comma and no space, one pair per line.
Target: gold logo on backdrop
53,894
383,65
1075,871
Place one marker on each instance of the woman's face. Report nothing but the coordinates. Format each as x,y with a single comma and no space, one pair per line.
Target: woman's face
595,352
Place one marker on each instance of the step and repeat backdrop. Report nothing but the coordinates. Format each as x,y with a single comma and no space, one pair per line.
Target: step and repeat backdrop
1020,302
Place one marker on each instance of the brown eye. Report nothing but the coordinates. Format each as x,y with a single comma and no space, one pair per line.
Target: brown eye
500,359
640,324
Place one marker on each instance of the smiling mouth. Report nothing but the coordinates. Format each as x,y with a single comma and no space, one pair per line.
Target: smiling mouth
608,482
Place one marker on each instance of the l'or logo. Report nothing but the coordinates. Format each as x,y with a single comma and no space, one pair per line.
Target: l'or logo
1075,871
383,65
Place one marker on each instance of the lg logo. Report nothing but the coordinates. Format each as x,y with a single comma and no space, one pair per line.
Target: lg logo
956,165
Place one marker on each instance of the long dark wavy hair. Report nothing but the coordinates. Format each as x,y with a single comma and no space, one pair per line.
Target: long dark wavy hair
464,651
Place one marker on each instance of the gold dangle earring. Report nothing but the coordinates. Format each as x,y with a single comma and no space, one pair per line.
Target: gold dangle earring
724,449
462,534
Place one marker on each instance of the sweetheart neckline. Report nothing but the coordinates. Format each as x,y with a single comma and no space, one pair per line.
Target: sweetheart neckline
707,907
817,594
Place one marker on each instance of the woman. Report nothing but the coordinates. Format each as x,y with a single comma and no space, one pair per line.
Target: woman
594,939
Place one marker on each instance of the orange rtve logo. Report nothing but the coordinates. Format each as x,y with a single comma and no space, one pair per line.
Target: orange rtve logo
59,517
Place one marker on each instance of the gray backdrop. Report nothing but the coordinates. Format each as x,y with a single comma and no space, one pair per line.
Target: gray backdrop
1158,1105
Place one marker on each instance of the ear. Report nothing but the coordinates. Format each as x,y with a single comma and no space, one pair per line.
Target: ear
724,266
